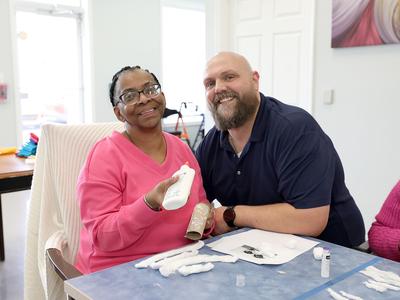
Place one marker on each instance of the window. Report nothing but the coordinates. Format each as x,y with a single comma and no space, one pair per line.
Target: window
183,55
49,65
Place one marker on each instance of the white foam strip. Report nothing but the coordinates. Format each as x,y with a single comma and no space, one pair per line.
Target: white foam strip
389,277
382,276
387,274
160,263
372,285
385,285
350,296
170,268
335,295
193,269
147,262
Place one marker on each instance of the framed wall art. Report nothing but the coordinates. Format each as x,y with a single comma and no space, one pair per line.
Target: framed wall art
365,22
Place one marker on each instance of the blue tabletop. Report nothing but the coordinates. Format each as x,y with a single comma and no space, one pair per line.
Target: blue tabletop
297,279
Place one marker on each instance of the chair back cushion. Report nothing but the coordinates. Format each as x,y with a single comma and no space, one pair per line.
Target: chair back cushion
53,215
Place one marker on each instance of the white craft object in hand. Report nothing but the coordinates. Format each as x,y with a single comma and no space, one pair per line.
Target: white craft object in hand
178,193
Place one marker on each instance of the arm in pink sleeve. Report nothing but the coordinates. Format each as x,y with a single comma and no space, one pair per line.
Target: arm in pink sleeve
384,241
112,226
384,235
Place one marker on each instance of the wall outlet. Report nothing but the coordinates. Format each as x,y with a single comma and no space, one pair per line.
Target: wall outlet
328,97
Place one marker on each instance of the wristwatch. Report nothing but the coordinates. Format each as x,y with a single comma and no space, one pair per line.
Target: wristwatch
229,216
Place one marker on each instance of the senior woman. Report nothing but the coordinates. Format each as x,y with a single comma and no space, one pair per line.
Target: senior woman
125,177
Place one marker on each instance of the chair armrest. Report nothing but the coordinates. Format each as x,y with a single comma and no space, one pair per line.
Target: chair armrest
364,247
63,269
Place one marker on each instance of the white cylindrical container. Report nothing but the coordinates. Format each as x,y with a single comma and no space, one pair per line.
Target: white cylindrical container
178,193
325,263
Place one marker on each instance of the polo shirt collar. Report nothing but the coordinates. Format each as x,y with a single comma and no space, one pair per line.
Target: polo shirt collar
259,127
224,141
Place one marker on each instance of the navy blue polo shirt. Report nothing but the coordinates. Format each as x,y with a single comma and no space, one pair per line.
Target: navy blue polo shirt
288,158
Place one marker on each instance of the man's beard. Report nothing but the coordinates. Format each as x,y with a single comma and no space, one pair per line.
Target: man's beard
242,110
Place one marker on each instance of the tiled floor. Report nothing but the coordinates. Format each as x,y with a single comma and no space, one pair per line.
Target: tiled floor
14,206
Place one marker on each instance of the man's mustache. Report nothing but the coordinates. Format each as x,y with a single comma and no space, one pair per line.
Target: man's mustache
222,96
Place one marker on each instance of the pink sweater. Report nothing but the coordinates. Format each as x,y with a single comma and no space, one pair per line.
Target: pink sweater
117,225
384,235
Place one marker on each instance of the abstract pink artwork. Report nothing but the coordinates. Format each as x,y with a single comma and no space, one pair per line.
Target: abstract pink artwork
365,22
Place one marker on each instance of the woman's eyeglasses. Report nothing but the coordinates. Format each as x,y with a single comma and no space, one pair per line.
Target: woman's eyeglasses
133,96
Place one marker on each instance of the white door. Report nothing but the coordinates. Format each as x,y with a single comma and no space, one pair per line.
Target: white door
277,38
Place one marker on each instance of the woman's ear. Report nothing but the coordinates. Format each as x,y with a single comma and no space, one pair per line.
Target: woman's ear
118,114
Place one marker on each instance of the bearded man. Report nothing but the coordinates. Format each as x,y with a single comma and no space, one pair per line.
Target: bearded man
270,164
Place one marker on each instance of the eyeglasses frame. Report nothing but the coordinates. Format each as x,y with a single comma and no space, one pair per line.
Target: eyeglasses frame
139,92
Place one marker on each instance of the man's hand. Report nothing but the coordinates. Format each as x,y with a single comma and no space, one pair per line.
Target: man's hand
220,225
210,218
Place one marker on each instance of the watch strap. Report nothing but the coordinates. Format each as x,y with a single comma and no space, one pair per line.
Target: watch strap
229,216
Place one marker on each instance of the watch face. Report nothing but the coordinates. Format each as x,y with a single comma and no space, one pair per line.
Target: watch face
229,216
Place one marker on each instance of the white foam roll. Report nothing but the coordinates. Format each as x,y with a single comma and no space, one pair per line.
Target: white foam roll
317,252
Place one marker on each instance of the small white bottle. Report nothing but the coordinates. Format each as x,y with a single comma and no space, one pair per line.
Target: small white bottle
178,193
325,263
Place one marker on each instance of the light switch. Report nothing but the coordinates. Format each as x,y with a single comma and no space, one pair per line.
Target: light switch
328,97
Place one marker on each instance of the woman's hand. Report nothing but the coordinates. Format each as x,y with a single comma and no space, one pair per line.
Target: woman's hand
155,197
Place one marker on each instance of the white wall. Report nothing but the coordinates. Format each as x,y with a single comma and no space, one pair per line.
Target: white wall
8,127
125,32
364,121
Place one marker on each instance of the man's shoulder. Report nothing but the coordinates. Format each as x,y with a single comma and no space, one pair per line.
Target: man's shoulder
212,135
284,111
284,115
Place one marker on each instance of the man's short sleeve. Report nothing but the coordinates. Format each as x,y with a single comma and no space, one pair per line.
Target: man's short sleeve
305,167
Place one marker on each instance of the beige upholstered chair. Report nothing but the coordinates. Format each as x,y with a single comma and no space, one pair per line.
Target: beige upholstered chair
53,217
